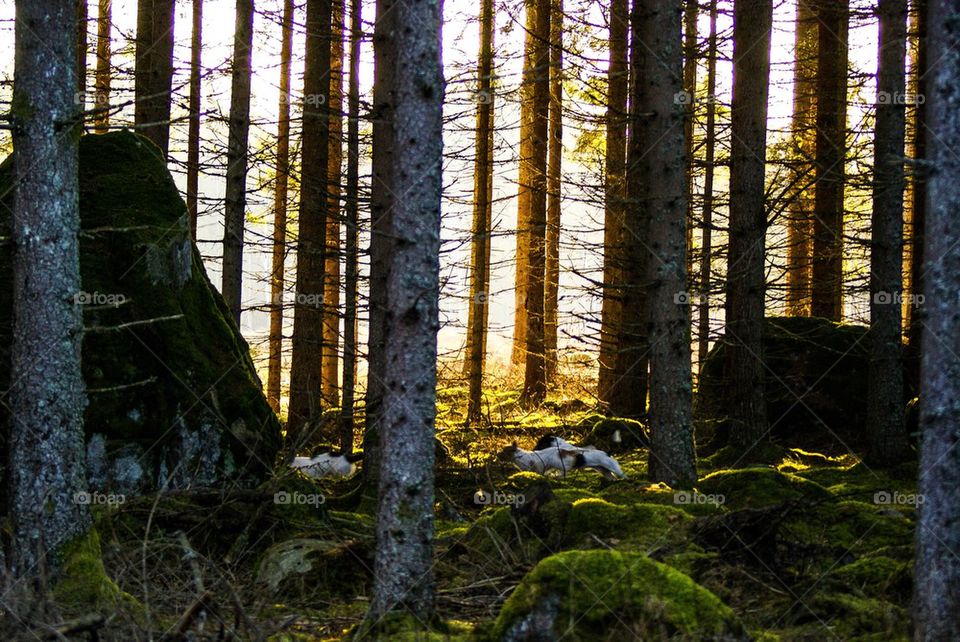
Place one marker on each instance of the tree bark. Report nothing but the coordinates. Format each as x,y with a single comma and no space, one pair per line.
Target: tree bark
82,49
691,11
710,143
235,204
746,285
404,556
101,120
307,340
663,173
937,567
275,358
827,272
47,394
885,400
153,76
193,126
331,308
533,167
554,188
482,216
800,214
614,195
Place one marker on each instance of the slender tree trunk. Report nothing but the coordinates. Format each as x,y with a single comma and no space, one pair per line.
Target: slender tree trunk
691,11
800,215
482,216
193,126
404,555
236,191
47,395
82,49
275,359
101,120
746,285
352,222
153,76
827,278
937,569
710,143
885,400
918,206
664,177
536,90
628,394
331,309
381,211
554,191
307,340
614,195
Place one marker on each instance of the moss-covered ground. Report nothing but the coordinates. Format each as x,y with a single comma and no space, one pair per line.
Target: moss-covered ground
787,544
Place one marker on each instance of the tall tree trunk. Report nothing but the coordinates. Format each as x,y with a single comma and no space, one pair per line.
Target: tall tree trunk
691,10
536,92
885,401
937,569
482,216
800,214
275,358
827,278
101,120
614,194
710,144
918,206
47,395
193,126
663,176
554,189
381,211
628,393
746,286
236,192
404,555
82,49
351,223
153,76
307,340
331,298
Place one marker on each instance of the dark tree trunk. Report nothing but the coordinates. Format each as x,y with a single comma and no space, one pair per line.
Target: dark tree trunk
663,175
614,194
236,191
885,400
404,556
746,285
101,120
709,146
275,358
193,133
351,224
827,278
554,188
82,49
153,76
482,212
691,11
937,569
47,394
307,340
536,91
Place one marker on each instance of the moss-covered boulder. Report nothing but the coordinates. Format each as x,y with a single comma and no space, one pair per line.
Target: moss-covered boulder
757,487
815,376
174,398
609,595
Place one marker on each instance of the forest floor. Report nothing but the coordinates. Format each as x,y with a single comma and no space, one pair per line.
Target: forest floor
796,545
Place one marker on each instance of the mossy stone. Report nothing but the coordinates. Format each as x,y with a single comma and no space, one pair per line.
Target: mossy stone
758,487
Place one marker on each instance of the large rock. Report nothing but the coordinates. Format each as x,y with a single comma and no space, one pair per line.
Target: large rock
174,398
815,375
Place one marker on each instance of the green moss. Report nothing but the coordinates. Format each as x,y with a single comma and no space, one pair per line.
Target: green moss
758,487
851,527
618,595
876,576
84,585
640,527
407,628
